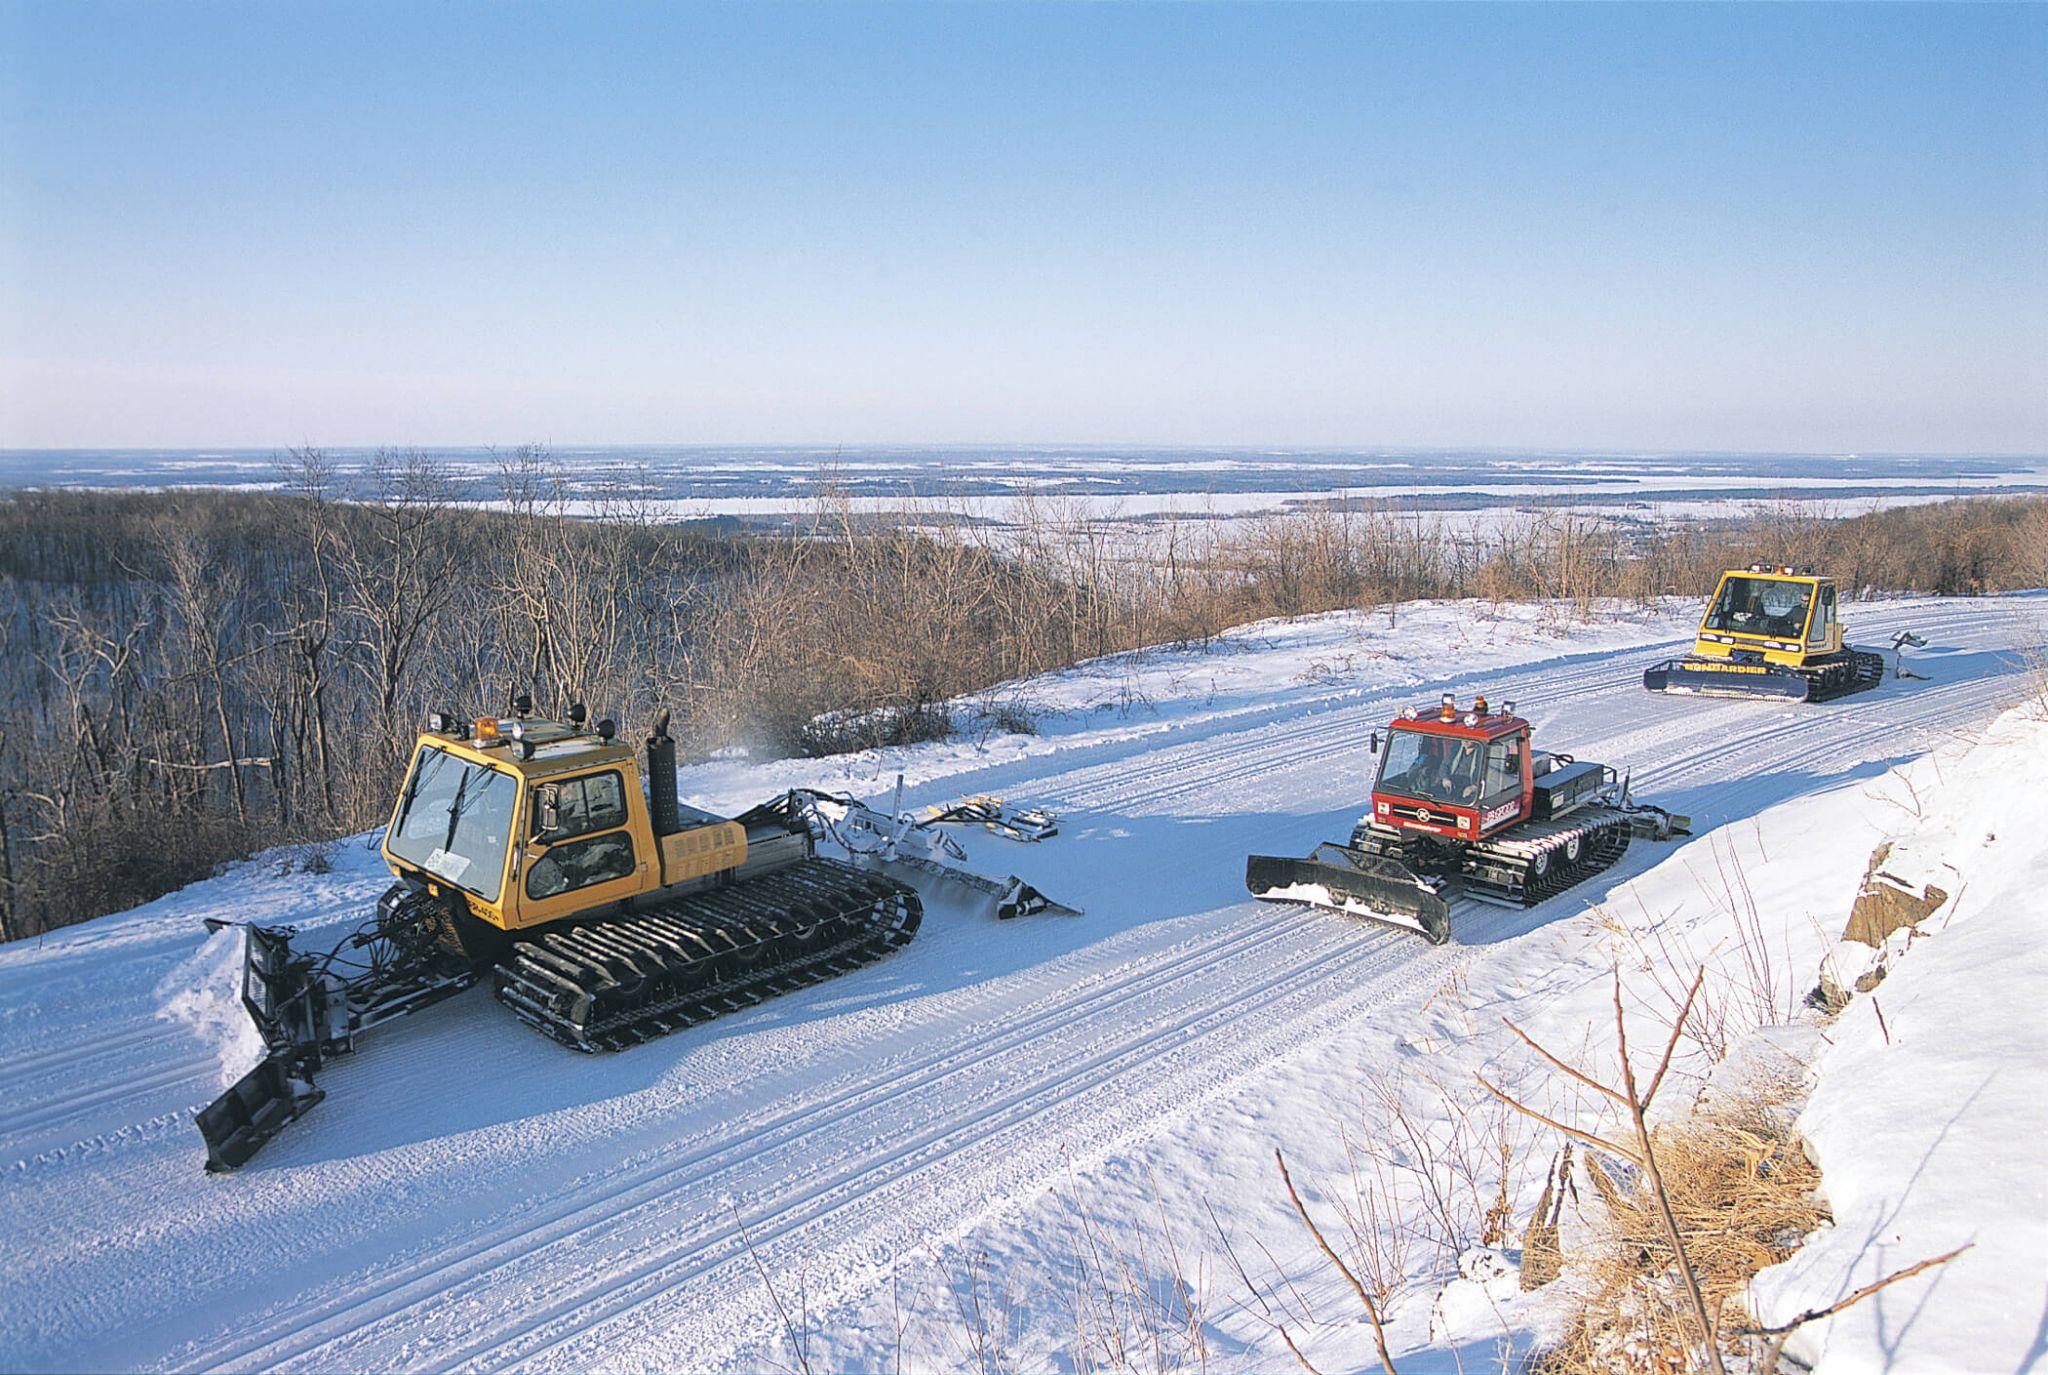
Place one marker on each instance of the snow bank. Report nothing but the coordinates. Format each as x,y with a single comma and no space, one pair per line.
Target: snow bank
1929,1113
205,993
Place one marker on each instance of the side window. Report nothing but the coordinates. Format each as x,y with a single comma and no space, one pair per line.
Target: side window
579,864
584,805
1503,767
1823,616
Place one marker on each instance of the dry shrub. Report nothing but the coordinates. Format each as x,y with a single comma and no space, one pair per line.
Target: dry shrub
1744,1194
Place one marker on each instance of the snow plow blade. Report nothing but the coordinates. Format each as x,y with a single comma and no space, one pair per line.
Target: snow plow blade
290,1007
1340,879
261,1104
1713,679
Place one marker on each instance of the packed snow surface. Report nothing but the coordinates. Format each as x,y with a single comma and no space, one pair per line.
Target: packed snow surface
935,1154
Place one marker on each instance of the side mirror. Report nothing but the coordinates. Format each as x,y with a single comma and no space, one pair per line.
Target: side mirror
548,809
1375,742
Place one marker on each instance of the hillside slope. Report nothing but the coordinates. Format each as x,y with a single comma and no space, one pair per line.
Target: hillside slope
471,1196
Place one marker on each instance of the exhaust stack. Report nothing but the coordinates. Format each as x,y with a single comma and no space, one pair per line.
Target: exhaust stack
662,805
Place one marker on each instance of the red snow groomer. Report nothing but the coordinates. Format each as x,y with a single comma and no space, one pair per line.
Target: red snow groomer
1463,802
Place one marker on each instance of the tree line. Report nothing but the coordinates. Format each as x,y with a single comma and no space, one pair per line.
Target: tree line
187,677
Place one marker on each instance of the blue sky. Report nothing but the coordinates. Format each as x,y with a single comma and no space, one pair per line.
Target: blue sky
1773,227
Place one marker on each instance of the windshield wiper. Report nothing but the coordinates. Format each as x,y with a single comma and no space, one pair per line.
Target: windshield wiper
419,776
455,804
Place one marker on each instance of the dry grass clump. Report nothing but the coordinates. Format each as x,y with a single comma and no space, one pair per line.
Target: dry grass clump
1743,1193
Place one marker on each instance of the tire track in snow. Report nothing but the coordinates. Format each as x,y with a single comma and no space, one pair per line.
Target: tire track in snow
742,1138
1213,763
1834,744
916,1145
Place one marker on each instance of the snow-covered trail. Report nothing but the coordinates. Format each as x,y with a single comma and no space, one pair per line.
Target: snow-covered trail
472,1196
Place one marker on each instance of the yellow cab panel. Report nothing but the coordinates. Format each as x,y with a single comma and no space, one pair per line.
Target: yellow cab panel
588,843
534,822
1777,614
467,818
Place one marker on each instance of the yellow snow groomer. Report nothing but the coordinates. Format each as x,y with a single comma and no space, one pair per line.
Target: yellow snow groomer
561,863
1771,631
606,912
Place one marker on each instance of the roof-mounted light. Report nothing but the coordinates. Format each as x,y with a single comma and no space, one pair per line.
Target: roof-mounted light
1409,713
1507,708
1479,705
1471,718
1450,707
486,728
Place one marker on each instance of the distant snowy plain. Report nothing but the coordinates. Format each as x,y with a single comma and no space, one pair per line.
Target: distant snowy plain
1464,489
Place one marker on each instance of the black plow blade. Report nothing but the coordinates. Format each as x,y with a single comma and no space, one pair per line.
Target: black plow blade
291,1007
262,1102
1340,879
1691,677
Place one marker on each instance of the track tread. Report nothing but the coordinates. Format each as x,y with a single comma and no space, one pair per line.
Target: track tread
613,983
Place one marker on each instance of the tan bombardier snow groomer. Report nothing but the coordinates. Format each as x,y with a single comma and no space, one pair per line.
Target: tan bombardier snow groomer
1462,802
606,914
1771,632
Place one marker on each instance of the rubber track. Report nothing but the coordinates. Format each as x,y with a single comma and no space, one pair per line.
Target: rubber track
1604,833
606,985
1604,844
1868,673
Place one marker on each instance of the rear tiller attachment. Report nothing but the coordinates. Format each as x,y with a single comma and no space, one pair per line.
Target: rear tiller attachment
1017,823
914,847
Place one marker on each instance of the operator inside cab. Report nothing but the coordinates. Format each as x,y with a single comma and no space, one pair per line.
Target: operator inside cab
1761,606
1438,768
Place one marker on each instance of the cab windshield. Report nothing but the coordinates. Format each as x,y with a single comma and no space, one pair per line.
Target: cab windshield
455,821
1761,606
1434,768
